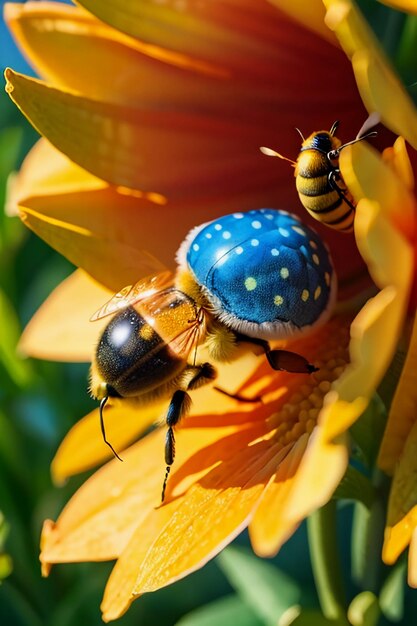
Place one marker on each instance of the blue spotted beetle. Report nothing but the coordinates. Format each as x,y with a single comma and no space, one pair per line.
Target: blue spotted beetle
244,278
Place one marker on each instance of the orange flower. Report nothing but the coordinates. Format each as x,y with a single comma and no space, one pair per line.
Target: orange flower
176,136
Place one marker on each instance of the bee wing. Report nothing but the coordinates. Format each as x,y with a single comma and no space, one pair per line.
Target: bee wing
176,319
133,294
189,338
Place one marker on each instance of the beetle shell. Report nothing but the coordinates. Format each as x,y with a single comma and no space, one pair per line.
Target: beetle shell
265,273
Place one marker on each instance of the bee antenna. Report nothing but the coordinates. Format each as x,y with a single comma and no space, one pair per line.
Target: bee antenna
300,133
334,127
372,133
103,430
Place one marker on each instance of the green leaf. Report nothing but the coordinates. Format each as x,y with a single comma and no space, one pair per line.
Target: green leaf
6,566
266,589
391,598
10,144
364,610
223,612
368,430
18,369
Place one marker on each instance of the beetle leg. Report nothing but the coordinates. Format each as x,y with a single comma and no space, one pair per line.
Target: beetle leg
282,359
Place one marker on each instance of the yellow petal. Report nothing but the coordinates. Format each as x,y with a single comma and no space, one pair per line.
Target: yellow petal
210,514
408,6
402,505
377,328
46,171
310,14
402,414
380,88
60,330
397,158
412,561
367,175
83,446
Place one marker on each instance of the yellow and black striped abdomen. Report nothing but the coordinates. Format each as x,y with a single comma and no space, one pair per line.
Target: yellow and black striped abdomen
316,193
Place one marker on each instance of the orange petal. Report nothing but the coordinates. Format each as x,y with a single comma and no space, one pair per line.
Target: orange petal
60,330
157,150
209,516
222,33
270,527
120,495
83,446
58,38
402,414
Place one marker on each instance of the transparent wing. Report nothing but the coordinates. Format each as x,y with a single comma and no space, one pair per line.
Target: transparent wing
132,294
176,318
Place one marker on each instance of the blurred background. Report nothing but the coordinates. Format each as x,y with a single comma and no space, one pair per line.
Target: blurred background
39,401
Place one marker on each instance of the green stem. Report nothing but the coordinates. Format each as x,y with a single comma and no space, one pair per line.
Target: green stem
324,554
368,536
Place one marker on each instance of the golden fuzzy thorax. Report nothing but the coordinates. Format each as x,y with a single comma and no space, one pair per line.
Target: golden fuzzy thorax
220,340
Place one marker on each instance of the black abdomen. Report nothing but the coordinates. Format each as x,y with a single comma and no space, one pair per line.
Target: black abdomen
132,357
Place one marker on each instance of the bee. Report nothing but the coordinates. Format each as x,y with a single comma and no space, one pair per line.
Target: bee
242,280
320,185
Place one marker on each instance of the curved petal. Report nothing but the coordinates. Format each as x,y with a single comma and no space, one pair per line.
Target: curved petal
156,151
83,446
46,171
121,495
310,14
208,517
218,32
57,39
369,176
380,88
402,505
402,414
61,330
270,528
408,6
110,262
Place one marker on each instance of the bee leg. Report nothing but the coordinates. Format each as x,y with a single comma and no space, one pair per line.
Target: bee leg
178,407
334,178
282,359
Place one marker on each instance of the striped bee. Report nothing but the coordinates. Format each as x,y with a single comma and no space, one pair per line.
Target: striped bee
318,180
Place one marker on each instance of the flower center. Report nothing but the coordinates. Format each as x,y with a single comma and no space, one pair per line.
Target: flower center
299,413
